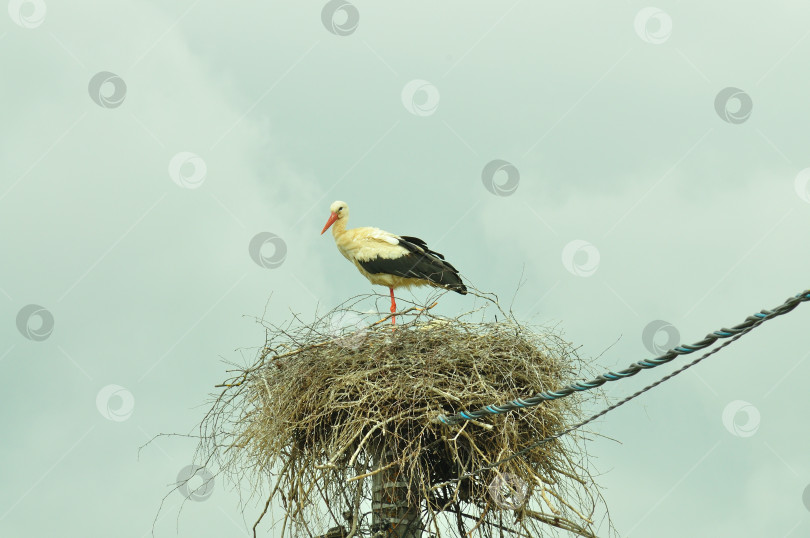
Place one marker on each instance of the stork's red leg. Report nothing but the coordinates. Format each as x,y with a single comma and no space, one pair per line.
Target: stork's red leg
393,307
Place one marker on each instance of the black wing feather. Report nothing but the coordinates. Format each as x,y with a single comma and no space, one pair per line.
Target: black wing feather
421,244
420,262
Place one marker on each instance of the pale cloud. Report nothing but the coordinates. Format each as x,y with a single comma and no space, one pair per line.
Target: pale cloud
617,143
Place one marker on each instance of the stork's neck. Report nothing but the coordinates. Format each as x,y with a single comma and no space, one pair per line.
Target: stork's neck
339,227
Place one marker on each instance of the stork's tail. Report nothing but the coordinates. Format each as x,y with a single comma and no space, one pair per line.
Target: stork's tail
449,279
458,287
461,288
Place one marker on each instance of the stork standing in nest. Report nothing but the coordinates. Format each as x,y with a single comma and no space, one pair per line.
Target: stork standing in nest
391,260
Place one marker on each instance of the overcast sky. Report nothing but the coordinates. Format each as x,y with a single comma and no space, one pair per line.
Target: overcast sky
653,167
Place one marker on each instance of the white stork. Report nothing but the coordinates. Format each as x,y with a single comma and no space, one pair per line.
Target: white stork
391,260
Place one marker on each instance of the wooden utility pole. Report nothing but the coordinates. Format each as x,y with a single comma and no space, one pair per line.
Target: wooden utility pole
392,515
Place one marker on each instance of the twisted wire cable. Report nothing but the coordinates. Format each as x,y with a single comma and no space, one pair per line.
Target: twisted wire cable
738,330
602,412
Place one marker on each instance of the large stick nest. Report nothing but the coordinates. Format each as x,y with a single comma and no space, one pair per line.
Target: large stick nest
330,403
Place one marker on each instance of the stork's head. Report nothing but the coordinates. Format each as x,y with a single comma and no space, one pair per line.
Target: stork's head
338,210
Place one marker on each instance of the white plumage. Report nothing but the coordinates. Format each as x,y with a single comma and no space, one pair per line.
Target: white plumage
391,260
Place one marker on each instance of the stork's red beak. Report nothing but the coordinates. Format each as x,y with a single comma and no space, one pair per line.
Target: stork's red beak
332,218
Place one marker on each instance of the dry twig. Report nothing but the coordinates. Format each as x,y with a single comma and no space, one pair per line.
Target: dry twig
307,417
